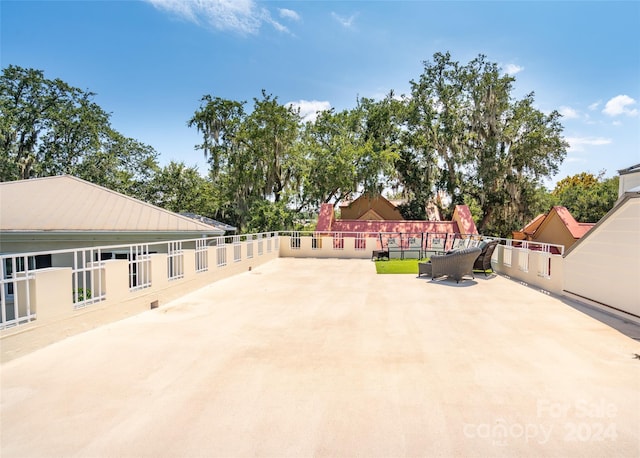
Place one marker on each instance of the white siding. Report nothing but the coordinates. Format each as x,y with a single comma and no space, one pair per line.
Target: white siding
605,266
628,181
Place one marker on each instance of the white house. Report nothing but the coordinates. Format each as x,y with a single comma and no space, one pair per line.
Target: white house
629,179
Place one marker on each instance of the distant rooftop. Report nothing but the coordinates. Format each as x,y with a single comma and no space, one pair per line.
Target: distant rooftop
632,169
67,204
210,221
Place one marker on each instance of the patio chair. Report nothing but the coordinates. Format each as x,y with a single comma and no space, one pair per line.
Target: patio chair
415,246
454,265
484,260
458,244
437,246
393,247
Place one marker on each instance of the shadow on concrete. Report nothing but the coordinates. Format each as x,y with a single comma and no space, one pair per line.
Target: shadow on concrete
614,321
626,327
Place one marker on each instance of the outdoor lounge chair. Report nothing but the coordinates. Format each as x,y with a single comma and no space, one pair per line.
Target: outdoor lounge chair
454,265
484,260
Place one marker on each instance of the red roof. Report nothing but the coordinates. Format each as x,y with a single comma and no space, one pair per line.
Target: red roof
534,224
325,218
576,229
351,225
462,215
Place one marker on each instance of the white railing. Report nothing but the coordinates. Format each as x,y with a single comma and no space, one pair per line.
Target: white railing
15,295
249,244
221,252
87,277
175,260
294,240
202,258
87,267
87,283
237,249
544,264
523,257
514,258
139,267
507,255
526,251
397,244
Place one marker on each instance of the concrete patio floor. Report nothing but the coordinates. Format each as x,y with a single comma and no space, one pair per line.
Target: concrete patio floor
308,357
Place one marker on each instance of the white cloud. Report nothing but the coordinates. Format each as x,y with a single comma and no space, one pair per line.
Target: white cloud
578,143
346,22
243,16
619,105
289,14
568,113
279,27
512,69
309,108
594,105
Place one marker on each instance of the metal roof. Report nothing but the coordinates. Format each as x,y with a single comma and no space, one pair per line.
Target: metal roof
632,169
210,221
68,204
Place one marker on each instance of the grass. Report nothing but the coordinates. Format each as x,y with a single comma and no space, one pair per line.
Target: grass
398,266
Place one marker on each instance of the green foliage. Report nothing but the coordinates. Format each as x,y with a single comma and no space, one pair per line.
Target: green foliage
413,210
459,133
270,216
50,128
83,294
586,196
252,156
347,153
179,188
468,137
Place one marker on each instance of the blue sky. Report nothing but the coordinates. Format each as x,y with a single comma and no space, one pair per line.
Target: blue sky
150,62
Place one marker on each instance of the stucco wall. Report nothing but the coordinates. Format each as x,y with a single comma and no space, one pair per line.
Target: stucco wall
605,266
628,181
554,231
532,275
324,248
51,297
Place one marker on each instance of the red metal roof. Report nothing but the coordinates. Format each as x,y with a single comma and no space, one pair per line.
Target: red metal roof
462,215
576,229
394,226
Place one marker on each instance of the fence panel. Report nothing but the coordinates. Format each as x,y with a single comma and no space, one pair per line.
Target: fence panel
15,294
237,249
139,267
221,252
249,246
202,255
88,278
175,261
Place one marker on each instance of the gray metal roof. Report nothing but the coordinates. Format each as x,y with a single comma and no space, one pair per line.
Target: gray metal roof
67,204
632,169
210,221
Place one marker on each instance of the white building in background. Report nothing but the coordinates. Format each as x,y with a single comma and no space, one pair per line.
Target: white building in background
629,179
